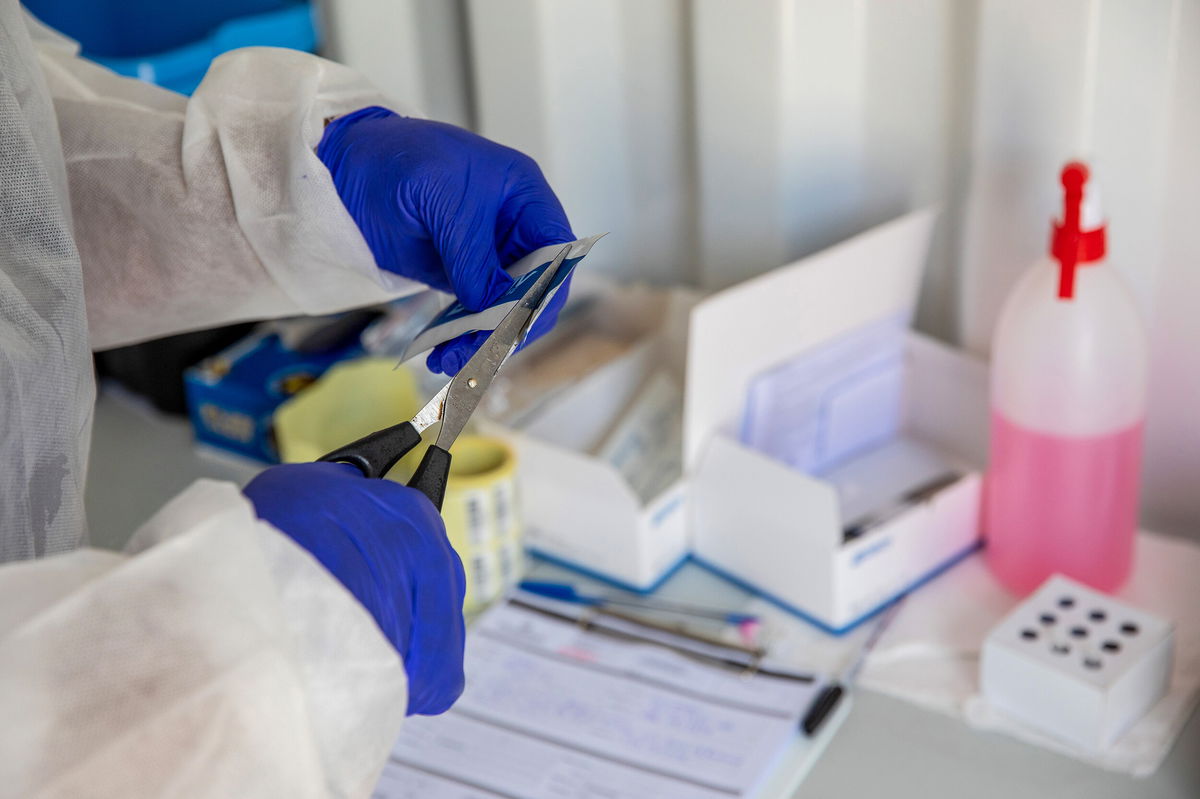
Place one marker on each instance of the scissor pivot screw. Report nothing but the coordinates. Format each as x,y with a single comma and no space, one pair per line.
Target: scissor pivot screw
472,382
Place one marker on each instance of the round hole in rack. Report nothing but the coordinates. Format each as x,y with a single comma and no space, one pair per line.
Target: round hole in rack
1111,646
1060,649
1129,628
1048,619
1029,634
1066,602
1079,632
1092,662
1097,615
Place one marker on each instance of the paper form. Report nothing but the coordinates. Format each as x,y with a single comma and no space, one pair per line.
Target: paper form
457,748
404,782
554,711
652,664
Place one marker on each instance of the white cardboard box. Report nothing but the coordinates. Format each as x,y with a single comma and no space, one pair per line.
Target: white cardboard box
780,531
578,509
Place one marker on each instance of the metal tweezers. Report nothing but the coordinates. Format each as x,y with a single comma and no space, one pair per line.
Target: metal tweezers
374,455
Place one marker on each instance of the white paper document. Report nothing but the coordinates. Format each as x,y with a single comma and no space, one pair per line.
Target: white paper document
554,711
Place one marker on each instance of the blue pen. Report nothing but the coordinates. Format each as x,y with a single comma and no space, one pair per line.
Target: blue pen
745,622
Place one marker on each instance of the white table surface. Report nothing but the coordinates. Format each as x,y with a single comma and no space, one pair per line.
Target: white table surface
887,749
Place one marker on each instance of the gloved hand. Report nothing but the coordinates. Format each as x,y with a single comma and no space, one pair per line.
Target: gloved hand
386,543
444,206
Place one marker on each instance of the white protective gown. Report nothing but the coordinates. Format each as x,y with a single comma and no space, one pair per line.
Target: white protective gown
214,657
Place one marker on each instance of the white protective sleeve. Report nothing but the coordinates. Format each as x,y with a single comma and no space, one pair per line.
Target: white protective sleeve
215,658
190,213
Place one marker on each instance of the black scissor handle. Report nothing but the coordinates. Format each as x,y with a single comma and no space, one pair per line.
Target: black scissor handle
431,476
376,454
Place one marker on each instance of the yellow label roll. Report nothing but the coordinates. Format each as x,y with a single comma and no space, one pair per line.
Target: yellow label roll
481,515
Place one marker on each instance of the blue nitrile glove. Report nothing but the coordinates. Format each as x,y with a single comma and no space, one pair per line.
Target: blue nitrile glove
386,543
444,206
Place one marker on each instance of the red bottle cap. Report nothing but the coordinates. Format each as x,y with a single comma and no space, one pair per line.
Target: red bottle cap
1070,245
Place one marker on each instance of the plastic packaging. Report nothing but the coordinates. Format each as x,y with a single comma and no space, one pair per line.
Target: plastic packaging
1069,372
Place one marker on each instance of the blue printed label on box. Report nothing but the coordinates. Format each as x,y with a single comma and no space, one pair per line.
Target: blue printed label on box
232,396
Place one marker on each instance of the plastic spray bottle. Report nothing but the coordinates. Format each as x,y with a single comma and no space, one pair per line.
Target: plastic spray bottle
1068,395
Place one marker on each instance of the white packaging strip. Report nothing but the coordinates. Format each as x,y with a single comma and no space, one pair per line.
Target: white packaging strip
646,444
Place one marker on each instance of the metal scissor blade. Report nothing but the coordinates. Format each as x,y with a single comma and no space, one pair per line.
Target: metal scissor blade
469,385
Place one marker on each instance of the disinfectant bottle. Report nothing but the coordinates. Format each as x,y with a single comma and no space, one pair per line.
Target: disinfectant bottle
1068,395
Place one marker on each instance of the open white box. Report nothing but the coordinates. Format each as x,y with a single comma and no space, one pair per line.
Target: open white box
780,531
578,509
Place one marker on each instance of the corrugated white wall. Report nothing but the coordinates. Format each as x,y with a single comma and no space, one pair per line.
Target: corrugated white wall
816,119
415,50
1172,473
598,93
720,138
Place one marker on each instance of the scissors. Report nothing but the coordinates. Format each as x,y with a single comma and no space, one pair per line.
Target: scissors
374,455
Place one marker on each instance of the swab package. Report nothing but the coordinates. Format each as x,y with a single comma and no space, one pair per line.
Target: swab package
457,319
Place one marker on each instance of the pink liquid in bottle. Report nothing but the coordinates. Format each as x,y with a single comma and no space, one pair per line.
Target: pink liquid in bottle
1061,504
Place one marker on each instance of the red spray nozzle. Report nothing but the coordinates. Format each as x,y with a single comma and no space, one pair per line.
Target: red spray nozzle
1074,175
1070,245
